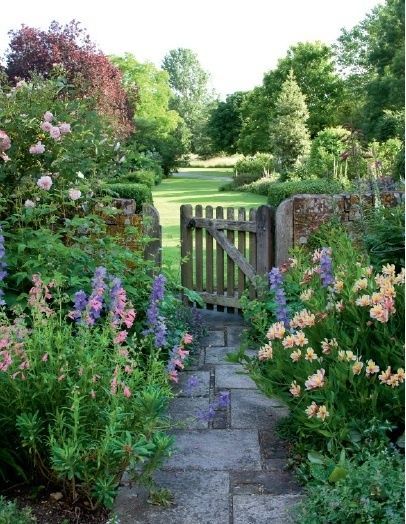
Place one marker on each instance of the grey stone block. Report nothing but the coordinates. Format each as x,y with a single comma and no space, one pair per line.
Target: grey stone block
233,377
252,409
200,497
277,482
201,390
264,509
183,411
216,449
272,446
215,338
234,336
218,355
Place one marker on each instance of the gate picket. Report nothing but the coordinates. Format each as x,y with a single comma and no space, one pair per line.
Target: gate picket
249,253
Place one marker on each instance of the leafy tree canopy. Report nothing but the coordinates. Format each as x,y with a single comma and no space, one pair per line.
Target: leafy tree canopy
225,123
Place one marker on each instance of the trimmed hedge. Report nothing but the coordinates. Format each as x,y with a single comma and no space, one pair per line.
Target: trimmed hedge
279,191
139,192
145,177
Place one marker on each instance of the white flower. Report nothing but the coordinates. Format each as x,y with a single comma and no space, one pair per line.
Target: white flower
79,174
74,194
29,203
45,182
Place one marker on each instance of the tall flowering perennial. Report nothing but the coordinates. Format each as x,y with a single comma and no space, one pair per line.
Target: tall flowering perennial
3,266
326,267
276,285
155,321
222,401
177,356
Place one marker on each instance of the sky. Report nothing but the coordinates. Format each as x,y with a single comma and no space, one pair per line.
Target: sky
236,41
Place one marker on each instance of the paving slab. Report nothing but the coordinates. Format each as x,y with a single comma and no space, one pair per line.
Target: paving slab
200,497
264,509
277,482
183,411
216,449
252,409
201,390
218,355
215,338
272,446
233,377
234,336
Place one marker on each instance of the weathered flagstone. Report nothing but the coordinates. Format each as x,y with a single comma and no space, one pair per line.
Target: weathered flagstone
201,390
233,377
252,409
215,338
216,449
200,497
264,509
263,482
234,336
272,446
183,411
218,355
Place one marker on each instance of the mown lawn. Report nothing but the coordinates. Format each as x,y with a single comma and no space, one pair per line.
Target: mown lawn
193,186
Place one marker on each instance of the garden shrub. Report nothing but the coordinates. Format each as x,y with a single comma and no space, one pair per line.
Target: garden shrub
262,185
139,192
372,490
280,191
250,168
147,178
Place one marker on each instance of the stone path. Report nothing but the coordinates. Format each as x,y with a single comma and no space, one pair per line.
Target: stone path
229,470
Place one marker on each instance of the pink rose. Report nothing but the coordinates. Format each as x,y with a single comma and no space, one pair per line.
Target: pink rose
5,142
74,194
64,128
46,126
45,182
37,149
55,133
48,116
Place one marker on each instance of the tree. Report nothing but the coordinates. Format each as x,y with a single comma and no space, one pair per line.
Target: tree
191,97
225,123
314,69
371,55
289,136
255,114
158,129
88,69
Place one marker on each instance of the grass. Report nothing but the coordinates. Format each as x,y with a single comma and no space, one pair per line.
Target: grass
215,162
193,187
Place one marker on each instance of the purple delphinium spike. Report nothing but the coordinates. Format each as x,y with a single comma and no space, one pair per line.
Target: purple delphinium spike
276,285
206,415
156,322
118,300
3,265
95,303
326,267
80,303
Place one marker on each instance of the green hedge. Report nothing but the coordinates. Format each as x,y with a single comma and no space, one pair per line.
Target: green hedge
139,192
279,191
145,177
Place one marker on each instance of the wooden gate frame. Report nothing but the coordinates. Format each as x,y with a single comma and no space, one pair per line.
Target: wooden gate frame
260,228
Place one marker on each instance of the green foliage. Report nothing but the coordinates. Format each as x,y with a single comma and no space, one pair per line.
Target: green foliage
11,514
225,123
147,178
190,99
89,147
255,112
289,136
251,168
279,191
384,236
139,192
73,412
371,491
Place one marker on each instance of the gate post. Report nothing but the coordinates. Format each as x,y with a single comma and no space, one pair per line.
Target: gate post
186,246
152,229
265,239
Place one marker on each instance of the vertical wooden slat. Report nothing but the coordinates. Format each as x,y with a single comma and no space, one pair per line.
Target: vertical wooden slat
230,262
252,250
209,257
219,263
186,249
242,250
199,251
264,232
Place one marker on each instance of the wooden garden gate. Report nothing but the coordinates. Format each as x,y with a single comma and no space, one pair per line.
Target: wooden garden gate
222,254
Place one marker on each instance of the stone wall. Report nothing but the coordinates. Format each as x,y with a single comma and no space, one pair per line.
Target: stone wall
297,217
